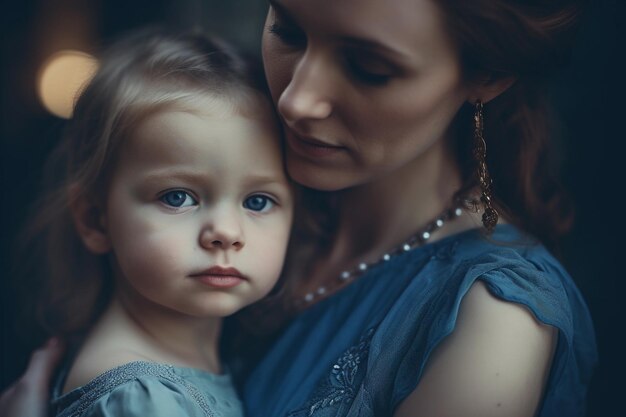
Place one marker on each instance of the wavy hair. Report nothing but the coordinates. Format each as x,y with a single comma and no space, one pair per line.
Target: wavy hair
527,40
142,73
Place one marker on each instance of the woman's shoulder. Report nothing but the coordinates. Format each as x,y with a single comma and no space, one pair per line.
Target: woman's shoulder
495,362
507,244
142,388
507,285
512,266
509,262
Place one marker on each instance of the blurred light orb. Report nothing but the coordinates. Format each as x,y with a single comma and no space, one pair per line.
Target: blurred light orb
62,78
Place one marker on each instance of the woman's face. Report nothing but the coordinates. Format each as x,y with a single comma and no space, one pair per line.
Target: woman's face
364,87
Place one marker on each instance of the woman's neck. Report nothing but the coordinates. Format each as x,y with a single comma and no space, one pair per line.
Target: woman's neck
382,214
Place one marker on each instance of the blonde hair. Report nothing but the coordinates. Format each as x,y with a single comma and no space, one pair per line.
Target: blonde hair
143,73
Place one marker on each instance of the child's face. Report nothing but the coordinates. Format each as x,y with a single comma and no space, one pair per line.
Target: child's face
199,211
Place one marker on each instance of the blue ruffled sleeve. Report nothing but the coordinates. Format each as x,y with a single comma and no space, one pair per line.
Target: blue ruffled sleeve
534,280
147,396
150,389
362,351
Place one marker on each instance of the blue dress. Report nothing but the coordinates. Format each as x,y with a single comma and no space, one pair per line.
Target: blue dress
363,350
139,389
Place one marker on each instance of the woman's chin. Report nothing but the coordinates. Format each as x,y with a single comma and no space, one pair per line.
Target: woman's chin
318,178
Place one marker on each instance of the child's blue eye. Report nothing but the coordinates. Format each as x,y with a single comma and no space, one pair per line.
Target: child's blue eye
258,202
178,199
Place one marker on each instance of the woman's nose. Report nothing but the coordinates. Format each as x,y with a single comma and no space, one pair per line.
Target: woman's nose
223,231
308,94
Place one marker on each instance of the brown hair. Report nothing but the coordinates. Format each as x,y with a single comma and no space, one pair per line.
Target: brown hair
526,40
138,75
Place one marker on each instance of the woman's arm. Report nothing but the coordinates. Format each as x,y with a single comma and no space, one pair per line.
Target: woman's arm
28,396
495,363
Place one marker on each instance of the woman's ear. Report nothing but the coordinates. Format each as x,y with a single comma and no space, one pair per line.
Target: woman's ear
489,88
90,221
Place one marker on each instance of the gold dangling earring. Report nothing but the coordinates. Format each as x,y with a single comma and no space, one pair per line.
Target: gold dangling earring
490,215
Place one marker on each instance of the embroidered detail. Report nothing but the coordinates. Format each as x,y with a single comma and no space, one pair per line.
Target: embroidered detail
108,381
445,252
340,385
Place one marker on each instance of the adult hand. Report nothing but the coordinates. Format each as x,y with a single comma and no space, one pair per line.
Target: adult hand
28,396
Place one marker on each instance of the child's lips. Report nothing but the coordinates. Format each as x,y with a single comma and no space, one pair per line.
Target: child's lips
220,277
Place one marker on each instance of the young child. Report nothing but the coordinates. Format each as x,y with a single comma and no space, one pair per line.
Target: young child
175,188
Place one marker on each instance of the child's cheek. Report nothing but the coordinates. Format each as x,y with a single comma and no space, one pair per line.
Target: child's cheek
151,246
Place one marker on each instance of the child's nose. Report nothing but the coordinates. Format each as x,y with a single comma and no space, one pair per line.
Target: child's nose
223,232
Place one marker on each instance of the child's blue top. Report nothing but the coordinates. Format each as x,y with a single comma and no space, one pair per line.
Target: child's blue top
139,389
363,350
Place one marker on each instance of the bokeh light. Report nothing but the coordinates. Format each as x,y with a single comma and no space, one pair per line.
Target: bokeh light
61,78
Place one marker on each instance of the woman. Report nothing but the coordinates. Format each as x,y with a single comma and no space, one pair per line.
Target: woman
423,291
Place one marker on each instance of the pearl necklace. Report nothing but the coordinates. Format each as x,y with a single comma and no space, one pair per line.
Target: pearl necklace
418,239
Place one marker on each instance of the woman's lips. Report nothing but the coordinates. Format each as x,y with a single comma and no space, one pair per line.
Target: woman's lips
220,277
311,147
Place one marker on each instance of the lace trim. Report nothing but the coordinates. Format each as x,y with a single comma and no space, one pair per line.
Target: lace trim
110,380
340,385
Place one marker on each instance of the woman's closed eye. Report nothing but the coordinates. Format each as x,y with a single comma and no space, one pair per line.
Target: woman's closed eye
368,70
259,203
288,34
178,199
366,76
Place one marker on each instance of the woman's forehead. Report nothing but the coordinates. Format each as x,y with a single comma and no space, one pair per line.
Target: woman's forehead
405,27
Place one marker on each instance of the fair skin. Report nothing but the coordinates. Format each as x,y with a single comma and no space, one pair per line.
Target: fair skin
192,190
384,141
28,396
367,91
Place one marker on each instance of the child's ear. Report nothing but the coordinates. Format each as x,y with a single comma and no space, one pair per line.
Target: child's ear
90,221
488,88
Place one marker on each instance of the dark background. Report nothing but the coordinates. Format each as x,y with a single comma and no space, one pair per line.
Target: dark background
589,95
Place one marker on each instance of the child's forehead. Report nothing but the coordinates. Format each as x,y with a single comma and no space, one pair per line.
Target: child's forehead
218,147
200,123
220,104
223,105
185,123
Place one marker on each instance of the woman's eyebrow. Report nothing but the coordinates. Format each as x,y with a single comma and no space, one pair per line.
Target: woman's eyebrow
374,46
361,43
